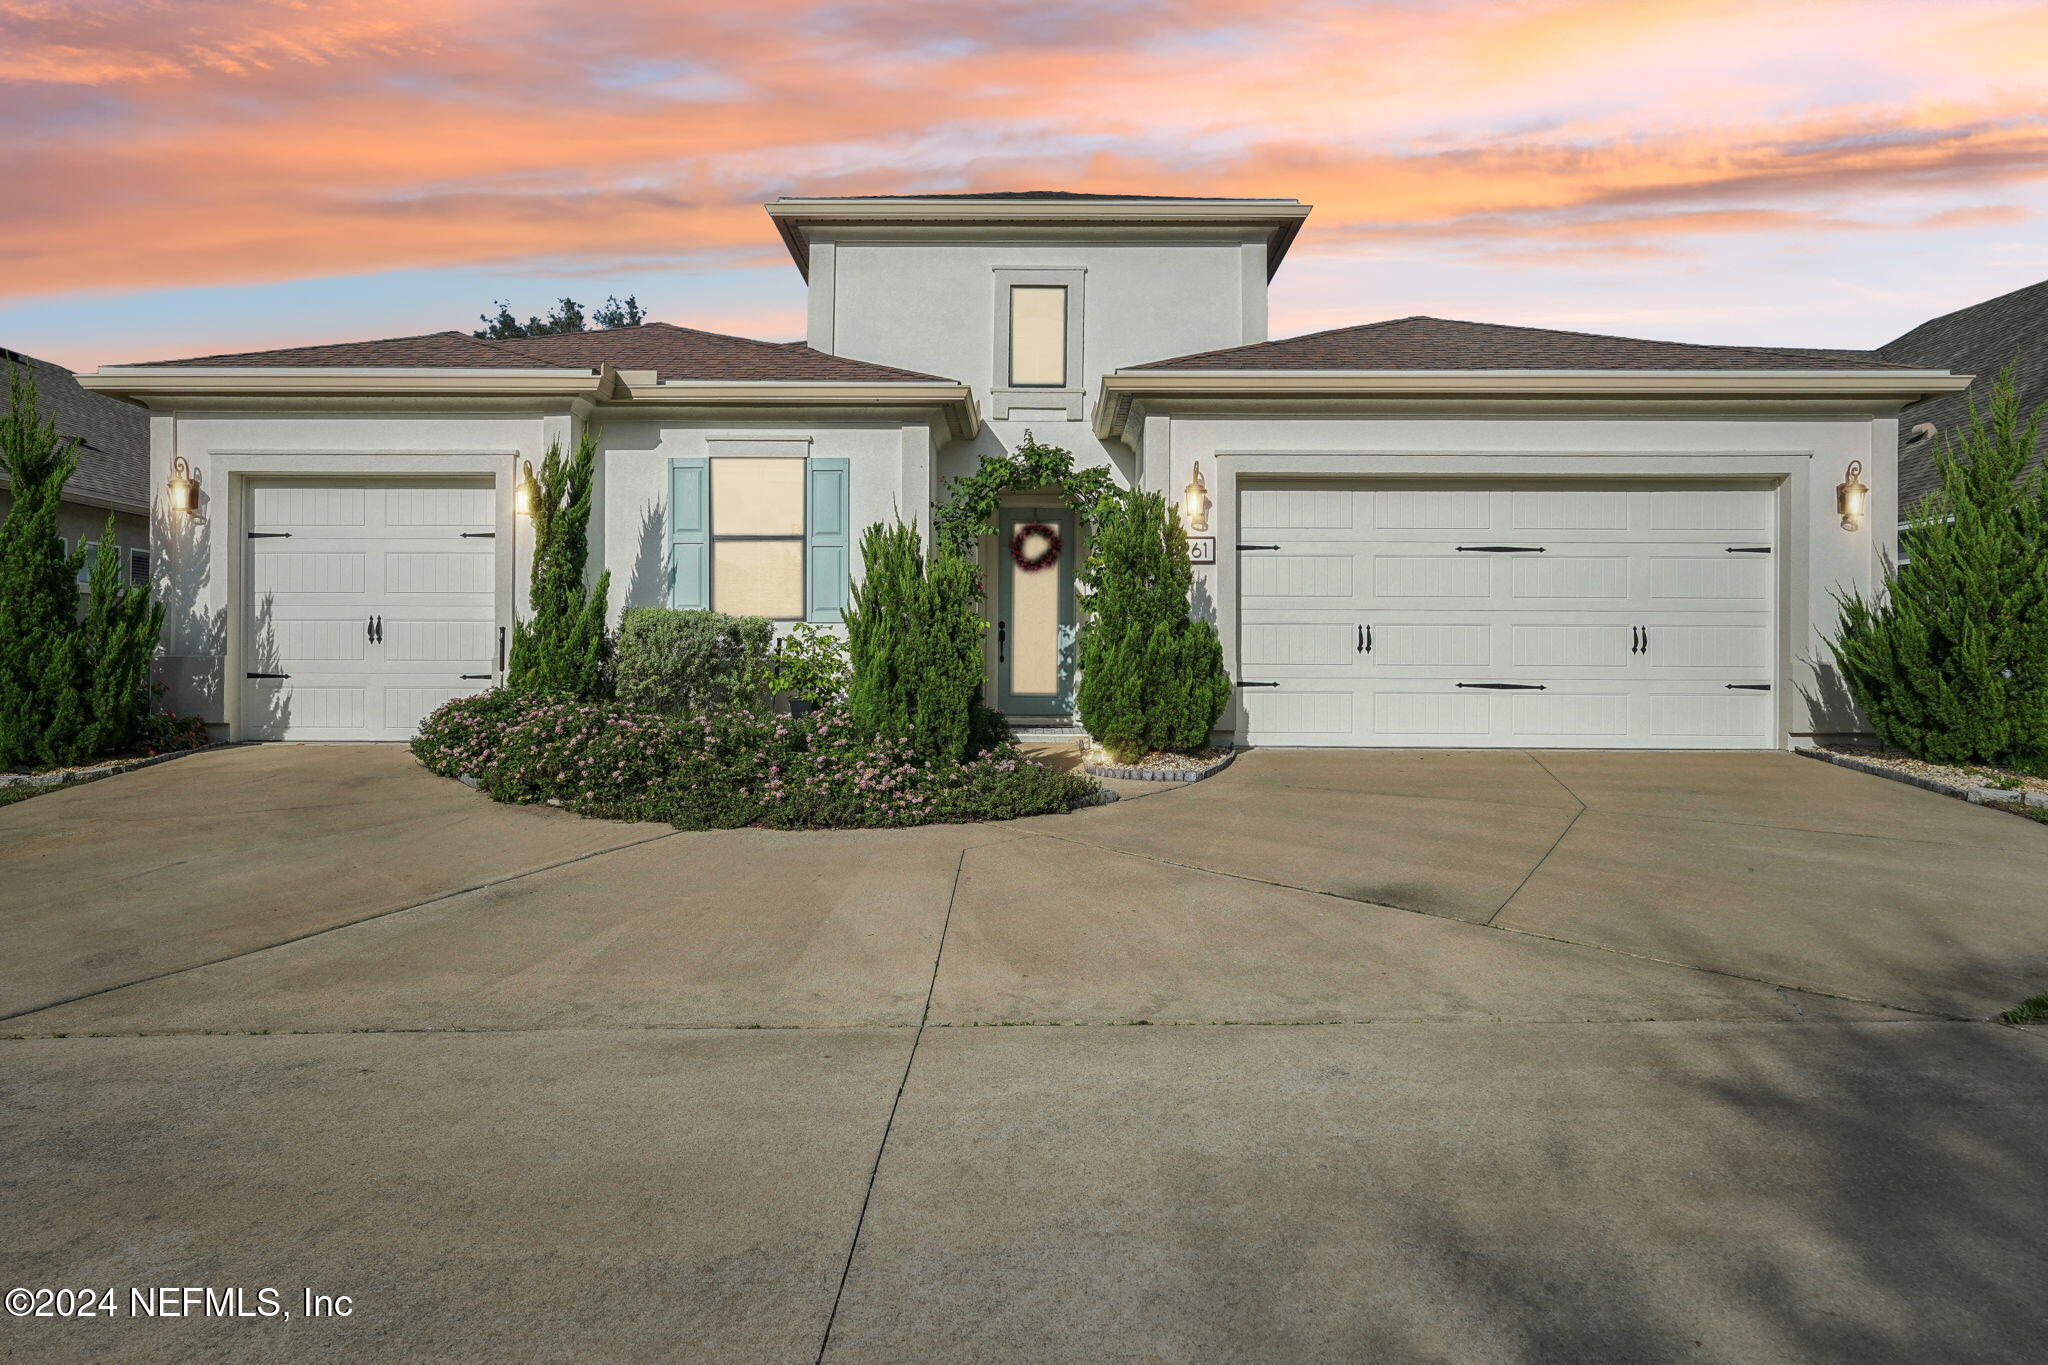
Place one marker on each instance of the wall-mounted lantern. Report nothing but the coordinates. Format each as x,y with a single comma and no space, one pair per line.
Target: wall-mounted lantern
526,492
1852,499
1196,501
181,492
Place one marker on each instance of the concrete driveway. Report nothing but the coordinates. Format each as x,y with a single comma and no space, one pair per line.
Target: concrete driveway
1338,1056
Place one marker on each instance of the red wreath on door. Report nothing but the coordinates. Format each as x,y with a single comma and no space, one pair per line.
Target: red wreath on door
1045,558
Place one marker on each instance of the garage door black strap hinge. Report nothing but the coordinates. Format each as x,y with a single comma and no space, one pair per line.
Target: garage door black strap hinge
1749,549
1507,687
1257,684
479,535
1749,687
1258,547
270,535
266,675
1503,549
476,677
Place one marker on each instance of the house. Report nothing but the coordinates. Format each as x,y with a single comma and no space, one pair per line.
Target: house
113,465
1416,532
1982,339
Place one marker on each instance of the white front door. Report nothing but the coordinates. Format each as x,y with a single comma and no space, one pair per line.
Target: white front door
370,602
1531,615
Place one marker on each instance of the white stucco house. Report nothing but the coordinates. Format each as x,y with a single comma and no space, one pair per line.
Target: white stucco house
1419,532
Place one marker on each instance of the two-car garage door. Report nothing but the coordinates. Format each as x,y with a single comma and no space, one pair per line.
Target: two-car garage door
1545,616
369,602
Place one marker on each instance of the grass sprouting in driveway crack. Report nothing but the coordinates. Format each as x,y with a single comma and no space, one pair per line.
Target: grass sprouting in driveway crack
2032,1010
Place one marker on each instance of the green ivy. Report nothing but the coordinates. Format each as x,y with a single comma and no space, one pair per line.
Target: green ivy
973,500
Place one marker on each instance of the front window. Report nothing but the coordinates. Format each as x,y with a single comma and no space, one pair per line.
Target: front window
757,537
1038,336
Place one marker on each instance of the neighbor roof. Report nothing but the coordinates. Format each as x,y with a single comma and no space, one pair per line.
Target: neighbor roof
1983,339
1426,343
680,353
112,436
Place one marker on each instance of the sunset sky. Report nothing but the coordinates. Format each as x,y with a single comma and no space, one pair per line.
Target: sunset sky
186,176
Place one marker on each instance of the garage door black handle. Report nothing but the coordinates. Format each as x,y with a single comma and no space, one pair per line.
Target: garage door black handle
1507,687
1502,549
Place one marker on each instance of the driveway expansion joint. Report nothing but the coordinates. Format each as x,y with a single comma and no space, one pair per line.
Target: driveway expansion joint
484,885
895,1103
1489,925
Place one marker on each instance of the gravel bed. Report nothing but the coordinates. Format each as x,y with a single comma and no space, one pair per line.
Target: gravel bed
1158,766
1948,774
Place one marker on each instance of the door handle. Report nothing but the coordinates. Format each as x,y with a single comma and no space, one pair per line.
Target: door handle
1361,640
370,629
1646,639
1635,639
1002,640
379,628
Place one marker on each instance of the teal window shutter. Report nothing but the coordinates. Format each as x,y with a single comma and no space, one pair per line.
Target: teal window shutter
826,567
689,533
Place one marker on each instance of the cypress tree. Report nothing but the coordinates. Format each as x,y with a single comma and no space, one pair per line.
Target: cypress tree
39,716
114,645
563,649
1949,661
1151,676
914,638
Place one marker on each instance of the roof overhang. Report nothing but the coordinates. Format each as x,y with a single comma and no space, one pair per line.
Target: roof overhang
168,385
954,401
1280,219
1118,392
144,383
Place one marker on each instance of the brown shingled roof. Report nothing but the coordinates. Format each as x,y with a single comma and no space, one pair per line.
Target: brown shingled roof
1425,343
672,352
685,353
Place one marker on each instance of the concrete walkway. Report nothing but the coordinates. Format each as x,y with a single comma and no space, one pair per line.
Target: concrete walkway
1337,1056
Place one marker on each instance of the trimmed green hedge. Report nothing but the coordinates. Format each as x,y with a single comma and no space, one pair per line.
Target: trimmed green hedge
726,770
681,662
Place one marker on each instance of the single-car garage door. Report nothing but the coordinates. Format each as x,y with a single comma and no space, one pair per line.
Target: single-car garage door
370,602
1539,615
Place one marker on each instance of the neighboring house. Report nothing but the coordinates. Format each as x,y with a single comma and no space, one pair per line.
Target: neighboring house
113,465
1423,532
1982,340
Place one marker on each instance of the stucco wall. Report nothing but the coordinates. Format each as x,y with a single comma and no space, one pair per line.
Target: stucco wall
1804,457
76,521
929,302
887,466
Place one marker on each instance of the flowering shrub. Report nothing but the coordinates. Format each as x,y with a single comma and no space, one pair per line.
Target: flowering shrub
167,732
725,770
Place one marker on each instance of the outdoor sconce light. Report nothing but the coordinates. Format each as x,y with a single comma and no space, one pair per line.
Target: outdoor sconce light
1852,499
525,493
182,490
1197,502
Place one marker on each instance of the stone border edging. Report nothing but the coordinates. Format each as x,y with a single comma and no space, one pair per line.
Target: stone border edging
1155,774
1976,796
71,776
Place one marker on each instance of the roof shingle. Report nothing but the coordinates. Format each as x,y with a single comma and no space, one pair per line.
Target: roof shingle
1426,343
1982,339
672,352
112,436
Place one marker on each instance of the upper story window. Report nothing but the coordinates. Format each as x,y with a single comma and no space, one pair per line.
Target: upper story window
757,537
1038,336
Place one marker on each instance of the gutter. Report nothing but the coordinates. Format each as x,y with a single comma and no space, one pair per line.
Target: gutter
1119,390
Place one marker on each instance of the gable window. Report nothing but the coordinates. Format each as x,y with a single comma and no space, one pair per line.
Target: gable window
1038,336
757,537
138,568
92,553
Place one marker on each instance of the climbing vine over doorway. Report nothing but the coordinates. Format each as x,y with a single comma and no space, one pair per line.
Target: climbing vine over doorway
973,500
